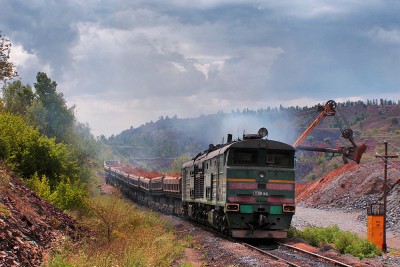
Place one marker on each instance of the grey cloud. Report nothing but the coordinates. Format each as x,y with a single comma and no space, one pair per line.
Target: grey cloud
193,57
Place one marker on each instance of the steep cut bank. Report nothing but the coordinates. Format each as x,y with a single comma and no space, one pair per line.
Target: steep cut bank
29,226
353,187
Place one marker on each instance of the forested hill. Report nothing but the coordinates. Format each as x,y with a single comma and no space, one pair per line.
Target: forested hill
372,122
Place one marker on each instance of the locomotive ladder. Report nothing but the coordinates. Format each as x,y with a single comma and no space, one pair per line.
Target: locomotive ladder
199,183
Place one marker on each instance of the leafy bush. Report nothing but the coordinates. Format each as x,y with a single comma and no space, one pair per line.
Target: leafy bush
352,244
66,195
69,195
40,186
344,241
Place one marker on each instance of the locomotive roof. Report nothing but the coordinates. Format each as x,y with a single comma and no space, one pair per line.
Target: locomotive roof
247,143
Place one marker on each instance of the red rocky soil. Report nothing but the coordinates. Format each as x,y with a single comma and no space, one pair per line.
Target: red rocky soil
354,187
29,226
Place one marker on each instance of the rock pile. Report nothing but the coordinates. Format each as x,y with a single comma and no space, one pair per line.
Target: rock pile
29,226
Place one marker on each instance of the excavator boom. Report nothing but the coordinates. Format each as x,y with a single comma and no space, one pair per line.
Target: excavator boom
329,110
354,152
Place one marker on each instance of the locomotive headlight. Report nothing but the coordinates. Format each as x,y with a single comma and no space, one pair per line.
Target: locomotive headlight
261,174
263,132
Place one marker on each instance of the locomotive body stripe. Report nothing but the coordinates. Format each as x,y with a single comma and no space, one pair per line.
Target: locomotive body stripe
243,180
281,200
242,199
280,186
243,186
281,181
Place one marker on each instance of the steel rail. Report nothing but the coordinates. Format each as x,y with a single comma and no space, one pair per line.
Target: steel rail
338,263
271,255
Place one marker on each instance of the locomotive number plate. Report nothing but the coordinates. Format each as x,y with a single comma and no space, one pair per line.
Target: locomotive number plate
260,193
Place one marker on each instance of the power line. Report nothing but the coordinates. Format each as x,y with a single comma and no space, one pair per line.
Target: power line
394,145
387,160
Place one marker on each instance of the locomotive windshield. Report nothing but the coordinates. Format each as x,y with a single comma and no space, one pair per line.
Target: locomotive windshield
245,157
261,157
284,159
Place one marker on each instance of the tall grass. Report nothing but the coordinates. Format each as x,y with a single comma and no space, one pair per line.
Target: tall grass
344,241
120,235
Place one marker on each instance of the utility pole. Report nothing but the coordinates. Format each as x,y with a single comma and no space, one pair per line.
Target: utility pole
385,158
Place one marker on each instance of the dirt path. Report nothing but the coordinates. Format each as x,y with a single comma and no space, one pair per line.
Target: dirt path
346,221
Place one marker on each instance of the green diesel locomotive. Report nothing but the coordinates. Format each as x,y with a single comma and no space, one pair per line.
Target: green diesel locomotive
244,188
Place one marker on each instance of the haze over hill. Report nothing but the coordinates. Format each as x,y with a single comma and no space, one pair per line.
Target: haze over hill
169,138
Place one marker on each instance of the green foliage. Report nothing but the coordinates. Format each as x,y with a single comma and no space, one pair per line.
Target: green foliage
4,149
59,118
55,164
7,68
41,186
17,97
69,195
28,152
292,232
66,195
36,115
46,162
362,248
344,241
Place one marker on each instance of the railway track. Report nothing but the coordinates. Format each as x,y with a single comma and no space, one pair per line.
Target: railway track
297,257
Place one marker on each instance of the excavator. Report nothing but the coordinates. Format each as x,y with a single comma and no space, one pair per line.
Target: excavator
353,152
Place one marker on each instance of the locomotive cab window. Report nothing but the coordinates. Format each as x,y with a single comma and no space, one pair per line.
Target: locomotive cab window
279,159
243,157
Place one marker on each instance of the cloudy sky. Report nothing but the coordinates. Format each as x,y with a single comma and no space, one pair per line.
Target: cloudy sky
127,62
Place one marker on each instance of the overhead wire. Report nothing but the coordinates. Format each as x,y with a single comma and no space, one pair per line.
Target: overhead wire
390,162
393,145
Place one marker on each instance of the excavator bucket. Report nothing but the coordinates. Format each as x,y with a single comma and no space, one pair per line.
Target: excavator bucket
360,150
354,153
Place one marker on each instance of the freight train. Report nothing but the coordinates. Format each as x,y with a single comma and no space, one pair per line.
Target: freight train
244,188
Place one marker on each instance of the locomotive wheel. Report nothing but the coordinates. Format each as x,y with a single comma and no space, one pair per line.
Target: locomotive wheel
222,223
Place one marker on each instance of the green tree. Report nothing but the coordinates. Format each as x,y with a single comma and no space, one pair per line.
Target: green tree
7,68
60,119
28,152
17,97
36,115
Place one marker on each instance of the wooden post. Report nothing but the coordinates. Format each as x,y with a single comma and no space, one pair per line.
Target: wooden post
385,158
